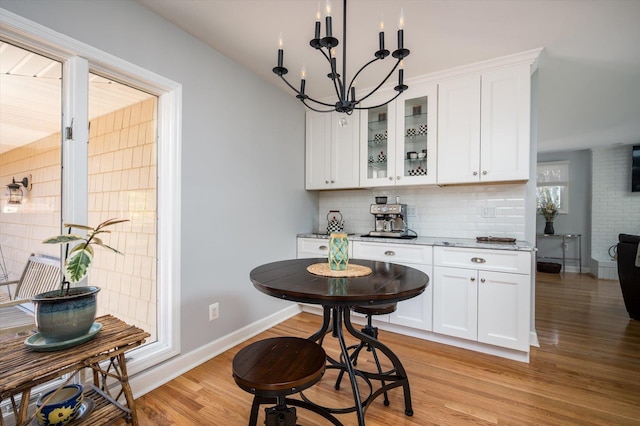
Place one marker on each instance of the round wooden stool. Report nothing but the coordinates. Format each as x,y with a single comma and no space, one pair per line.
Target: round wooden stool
273,368
372,331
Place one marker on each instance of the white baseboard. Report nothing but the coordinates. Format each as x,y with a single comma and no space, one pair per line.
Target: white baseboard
152,378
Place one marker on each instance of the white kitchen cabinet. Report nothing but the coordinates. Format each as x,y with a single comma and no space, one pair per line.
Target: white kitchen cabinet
391,132
483,295
332,150
415,312
483,126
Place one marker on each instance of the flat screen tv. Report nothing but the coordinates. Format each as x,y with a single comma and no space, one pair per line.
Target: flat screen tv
635,169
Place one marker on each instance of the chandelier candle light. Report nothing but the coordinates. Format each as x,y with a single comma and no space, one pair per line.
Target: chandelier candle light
346,94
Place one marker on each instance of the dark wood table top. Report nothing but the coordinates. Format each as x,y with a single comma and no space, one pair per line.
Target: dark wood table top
290,280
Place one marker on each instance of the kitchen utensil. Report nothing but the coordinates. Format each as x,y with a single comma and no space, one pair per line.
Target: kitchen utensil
335,223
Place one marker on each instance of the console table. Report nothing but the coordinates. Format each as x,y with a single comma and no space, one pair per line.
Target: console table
565,241
21,369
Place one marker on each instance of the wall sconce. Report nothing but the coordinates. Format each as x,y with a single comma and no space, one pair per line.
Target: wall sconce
14,192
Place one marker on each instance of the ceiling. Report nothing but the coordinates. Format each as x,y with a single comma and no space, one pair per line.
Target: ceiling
30,96
589,71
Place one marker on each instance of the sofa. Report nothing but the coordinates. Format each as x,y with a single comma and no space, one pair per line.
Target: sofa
629,272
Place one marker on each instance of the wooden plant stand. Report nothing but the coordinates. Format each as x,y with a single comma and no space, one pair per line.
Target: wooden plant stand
21,369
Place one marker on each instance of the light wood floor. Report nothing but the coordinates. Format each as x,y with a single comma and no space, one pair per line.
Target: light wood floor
586,372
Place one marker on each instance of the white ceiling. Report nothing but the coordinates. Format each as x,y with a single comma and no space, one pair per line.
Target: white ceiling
30,96
589,72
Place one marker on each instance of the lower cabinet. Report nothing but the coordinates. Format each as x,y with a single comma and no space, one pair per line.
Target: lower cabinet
415,312
477,303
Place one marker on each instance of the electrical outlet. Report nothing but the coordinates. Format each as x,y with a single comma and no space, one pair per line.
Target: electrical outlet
214,311
412,211
488,211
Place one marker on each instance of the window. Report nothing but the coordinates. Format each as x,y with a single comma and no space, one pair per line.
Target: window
553,184
84,187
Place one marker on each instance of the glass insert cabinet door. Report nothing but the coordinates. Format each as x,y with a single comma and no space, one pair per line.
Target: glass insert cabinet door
398,140
416,136
380,146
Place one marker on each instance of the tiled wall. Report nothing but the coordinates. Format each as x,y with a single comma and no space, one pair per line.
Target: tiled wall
453,211
24,226
615,209
122,184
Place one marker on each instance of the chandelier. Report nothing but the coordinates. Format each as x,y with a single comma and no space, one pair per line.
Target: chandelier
346,93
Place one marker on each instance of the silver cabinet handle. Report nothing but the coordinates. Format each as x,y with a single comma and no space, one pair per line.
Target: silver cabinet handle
484,172
390,177
389,253
475,173
333,181
482,280
473,280
323,247
478,260
326,181
398,177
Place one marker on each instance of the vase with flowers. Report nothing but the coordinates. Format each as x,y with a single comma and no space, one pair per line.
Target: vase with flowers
549,209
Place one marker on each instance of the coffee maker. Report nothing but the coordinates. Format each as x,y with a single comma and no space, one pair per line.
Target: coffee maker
389,220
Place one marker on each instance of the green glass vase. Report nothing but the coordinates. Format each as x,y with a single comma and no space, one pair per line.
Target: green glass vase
338,252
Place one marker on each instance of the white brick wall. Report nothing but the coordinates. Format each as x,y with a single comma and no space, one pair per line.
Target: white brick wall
454,211
615,209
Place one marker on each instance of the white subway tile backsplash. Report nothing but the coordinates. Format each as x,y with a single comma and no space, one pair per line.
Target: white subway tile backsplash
442,212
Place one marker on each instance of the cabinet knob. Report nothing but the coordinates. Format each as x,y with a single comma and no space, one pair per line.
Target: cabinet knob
327,182
473,279
478,260
484,172
482,280
475,173
333,181
389,253
398,177
323,248
390,177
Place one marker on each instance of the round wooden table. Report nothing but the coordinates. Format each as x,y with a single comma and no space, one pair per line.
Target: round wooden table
387,283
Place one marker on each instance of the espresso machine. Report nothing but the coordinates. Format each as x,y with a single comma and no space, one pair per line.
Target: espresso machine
389,220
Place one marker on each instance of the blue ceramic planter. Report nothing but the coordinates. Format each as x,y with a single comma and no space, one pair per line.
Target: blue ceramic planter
60,409
68,317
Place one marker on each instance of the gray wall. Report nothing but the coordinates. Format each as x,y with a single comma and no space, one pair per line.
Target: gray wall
578,220
243,198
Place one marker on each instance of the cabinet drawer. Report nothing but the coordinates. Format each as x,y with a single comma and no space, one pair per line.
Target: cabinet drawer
517,262
314,246
395,253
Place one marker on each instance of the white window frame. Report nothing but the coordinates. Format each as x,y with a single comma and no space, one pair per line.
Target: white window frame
554,175
78,60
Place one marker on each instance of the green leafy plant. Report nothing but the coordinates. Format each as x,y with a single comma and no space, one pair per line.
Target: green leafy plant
78,260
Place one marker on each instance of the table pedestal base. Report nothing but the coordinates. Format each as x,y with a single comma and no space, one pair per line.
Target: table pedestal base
333,320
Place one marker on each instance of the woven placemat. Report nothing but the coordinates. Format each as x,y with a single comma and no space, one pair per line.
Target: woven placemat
352,270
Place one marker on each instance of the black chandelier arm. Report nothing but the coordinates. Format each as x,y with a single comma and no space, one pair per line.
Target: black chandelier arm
303,97
331,107
359,71
381,83
378,106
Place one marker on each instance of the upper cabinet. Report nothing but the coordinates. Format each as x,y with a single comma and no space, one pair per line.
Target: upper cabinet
483,126
332,150
398,140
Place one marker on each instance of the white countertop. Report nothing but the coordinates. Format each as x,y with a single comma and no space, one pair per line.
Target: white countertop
435,241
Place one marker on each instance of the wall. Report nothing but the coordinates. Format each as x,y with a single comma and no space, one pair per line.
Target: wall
243,198
453,211
578,220
615,209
